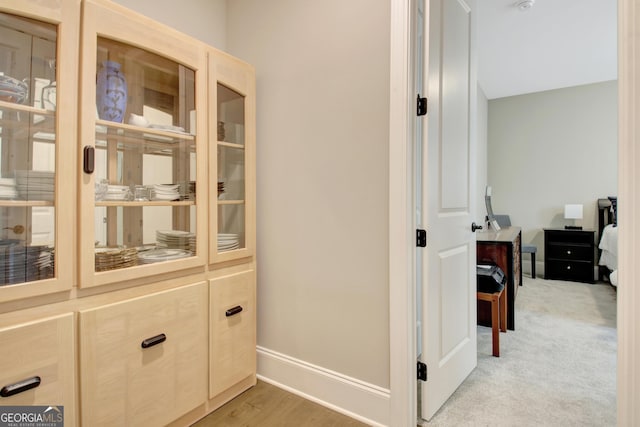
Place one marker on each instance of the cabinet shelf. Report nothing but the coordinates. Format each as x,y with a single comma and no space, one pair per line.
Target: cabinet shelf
142,133
144,203
12,107
231,145
231,202
151,141
24,203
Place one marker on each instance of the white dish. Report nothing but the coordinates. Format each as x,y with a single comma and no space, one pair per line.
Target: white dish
159,255
168,128
166,186
165,198
174,232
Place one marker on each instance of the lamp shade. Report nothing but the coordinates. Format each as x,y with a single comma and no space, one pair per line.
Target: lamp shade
573,211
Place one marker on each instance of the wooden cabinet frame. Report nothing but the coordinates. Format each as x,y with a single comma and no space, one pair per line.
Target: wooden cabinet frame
109,21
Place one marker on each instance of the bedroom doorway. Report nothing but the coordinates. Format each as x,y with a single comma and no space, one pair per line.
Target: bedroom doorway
629,172
538,143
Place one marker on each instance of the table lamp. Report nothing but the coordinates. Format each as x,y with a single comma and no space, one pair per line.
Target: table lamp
573,212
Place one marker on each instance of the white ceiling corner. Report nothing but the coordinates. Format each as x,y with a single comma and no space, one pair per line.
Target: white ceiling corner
555,44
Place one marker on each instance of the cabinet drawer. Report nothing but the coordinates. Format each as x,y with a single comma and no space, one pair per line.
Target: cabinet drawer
569,236
233,330
580,271
143,361
570,252
43,349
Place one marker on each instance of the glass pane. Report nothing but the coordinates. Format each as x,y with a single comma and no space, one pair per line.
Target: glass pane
145,163
230,173
163,233
231,227
231,170
28,100
230,115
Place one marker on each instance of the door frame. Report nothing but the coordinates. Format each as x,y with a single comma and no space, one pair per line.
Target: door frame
402,310
629,195
402,316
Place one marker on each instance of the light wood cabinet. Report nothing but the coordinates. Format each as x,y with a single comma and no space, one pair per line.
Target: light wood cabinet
143,130
36,366
38,93
231,158
118,254
232,339
144,360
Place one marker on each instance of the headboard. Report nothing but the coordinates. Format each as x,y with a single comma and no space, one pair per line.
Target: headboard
607,213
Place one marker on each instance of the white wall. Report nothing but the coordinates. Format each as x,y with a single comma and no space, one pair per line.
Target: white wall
202,19
549,149
322,169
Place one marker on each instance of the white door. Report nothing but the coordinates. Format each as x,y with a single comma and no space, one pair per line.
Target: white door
449,296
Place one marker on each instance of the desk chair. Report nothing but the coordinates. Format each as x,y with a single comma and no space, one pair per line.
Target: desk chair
505,221
491,287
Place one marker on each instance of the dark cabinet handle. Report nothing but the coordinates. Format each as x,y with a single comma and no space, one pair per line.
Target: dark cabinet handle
20,386
235,310
88,159
150,342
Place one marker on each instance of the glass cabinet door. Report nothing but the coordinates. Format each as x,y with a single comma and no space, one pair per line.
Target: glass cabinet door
141,168
33,188
233,159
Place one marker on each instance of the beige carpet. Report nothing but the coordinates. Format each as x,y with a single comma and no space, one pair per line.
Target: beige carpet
558,367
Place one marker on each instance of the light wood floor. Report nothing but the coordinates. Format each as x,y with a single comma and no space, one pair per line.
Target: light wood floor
268,406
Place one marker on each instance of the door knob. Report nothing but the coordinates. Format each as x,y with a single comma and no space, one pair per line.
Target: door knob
17,229
475,227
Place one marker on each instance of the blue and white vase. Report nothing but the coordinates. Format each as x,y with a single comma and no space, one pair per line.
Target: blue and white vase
111,92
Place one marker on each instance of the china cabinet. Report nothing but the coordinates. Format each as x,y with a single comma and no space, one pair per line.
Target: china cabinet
142,127
38,75
127,278
231,151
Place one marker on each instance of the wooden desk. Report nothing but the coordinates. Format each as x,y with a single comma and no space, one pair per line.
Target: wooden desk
504,248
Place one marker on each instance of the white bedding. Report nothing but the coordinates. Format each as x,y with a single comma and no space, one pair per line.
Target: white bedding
609,256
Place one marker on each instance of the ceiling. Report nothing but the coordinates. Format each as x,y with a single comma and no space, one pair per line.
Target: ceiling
554,44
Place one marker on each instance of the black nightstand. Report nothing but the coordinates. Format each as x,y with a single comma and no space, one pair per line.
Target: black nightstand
569,254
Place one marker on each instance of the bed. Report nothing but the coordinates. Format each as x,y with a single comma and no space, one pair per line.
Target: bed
608,246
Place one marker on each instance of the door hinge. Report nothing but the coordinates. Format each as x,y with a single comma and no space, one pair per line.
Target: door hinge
422,371
421,238
422,106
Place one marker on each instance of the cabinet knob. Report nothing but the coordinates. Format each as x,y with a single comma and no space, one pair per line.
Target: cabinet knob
568,267
568,252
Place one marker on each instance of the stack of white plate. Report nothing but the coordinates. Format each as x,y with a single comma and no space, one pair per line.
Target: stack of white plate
35,185
117,192
187,190
8,188
176,239
165,192
20,263
228,241
160,255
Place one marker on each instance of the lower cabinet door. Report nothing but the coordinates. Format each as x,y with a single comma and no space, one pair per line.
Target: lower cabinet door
233,330
144,361
37,367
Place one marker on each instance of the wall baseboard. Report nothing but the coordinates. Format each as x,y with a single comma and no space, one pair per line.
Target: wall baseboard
357,399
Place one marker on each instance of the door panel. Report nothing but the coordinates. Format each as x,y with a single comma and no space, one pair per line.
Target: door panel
449,332
454,328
